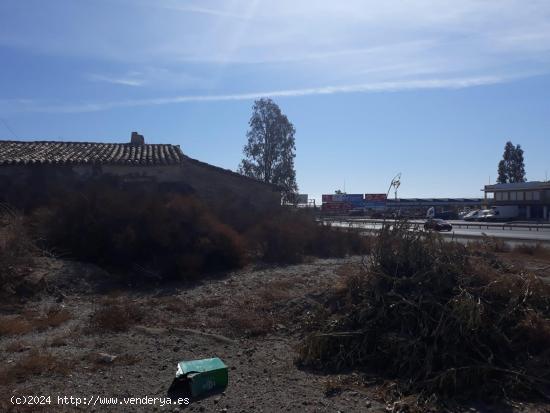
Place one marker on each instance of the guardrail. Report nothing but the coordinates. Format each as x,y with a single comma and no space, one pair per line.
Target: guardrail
456,224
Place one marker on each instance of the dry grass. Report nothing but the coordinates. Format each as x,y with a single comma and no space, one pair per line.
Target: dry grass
209,302
489,244
33,321
533,250
115,315
334,385
16,251
35,363
10,325
54,317
174,305
249,322
256,315
250,317
275,291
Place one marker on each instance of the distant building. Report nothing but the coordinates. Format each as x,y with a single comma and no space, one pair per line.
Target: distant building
532,198
373,204
447,208
27,168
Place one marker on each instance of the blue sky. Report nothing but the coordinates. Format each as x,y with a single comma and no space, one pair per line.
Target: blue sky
431,89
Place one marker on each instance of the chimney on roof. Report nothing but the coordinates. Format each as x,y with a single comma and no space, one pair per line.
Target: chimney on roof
137,139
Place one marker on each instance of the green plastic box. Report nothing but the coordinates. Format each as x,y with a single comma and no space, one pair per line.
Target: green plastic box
203,376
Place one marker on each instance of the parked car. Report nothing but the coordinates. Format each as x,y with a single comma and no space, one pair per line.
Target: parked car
437,225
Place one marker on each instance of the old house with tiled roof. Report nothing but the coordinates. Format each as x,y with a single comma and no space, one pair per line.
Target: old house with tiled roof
33,165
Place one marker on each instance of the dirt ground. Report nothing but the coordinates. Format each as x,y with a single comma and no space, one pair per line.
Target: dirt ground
75,340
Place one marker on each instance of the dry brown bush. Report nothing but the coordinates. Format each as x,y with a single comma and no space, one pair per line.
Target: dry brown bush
53,317
115,315
16,250
32,364
427,314
10,325
288,236
33,321
147,234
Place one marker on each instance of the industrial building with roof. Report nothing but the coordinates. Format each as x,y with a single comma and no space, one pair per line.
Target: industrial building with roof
34,165
532,198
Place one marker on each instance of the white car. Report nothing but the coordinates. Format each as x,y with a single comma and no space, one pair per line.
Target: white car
485,215
473,215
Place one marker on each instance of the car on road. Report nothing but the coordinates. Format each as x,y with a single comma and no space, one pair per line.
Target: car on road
472,215
437,225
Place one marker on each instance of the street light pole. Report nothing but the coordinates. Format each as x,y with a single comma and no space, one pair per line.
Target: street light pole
395,182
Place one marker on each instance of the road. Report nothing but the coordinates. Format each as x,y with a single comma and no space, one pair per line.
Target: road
513,233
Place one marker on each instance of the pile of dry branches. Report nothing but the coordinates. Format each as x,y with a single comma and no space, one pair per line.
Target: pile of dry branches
439,319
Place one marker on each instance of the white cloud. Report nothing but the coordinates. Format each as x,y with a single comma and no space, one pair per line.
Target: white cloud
153,77
126,81
456,83
287,45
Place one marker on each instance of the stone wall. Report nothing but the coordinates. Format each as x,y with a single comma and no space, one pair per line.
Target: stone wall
218,185
30,184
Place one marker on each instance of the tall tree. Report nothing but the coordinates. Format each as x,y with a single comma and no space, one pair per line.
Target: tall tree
502,173
517,170
511,168
270,150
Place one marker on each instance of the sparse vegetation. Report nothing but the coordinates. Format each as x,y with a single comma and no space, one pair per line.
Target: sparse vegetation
289,236
425,313
34,363
487,245
115,315
533,250
16,250
33,321
250,321
14,326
